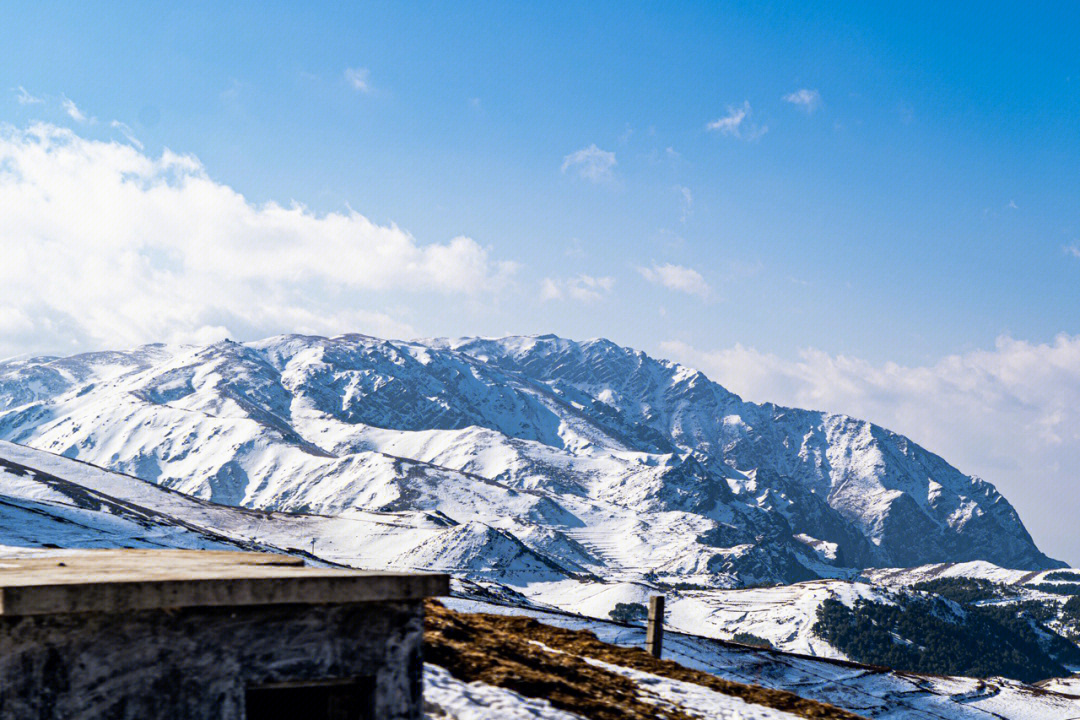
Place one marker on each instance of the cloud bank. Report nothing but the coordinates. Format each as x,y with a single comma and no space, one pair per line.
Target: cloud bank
105,246
1010,415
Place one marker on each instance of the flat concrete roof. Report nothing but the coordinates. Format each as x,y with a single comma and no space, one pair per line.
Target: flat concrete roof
123,580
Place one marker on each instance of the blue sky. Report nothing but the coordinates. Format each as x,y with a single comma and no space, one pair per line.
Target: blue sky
894,187
880,224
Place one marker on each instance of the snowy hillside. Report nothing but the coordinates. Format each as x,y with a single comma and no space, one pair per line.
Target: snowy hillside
48,501
573,458
866,691
51,501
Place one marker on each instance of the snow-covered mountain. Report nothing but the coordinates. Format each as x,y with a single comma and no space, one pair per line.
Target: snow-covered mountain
52,501
546,460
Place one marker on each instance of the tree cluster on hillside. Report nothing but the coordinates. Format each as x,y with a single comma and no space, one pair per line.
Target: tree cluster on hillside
965,589
629,613
746,638
1071,609
1057,588
1063,575
1070,618
927,635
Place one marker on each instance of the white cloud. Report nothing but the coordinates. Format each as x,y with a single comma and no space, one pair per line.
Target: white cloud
359,79
1073,250
127,132
678,278
583,288
1010,414
808,100
25,98
591,163
14,321
733,123
73,111
105,246
729,124
686,202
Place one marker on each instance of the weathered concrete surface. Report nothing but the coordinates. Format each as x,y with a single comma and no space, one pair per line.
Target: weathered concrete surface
195,663
125,580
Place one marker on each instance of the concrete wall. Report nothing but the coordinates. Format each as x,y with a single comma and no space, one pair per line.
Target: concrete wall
195,664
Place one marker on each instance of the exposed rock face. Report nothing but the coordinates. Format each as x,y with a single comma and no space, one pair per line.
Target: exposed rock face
596,457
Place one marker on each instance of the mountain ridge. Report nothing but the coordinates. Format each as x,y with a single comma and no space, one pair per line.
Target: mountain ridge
532,435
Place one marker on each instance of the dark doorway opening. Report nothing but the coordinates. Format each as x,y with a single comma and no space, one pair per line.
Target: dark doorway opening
322,700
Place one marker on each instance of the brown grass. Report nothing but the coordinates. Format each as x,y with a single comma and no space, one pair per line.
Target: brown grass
496,649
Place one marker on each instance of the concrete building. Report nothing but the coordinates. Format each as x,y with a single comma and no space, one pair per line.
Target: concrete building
190,635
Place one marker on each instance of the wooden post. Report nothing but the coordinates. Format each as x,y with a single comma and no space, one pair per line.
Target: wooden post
654,633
